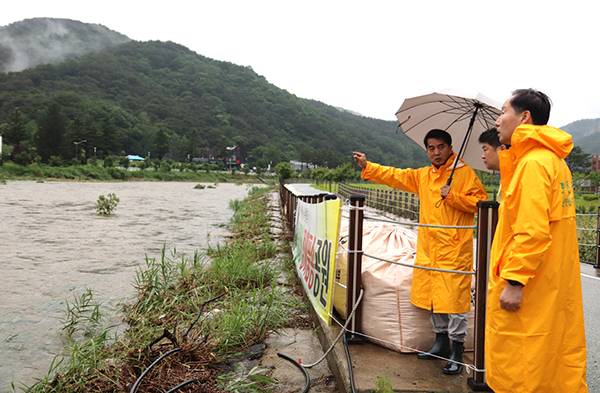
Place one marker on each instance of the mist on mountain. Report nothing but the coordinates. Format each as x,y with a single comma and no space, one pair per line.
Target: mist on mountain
30,42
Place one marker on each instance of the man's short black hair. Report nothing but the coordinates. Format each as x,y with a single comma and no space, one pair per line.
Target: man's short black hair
438,134
534,101
490,137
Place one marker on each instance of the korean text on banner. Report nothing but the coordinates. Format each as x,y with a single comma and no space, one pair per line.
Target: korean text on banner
315,247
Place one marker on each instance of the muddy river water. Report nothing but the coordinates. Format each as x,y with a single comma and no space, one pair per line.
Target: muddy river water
53,246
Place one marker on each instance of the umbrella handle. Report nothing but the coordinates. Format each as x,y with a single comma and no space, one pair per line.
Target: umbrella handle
439,203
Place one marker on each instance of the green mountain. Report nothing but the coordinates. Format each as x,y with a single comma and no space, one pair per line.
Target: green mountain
586,134
36,41
162,98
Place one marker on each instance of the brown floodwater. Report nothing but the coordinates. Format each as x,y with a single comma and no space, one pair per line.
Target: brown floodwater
53,246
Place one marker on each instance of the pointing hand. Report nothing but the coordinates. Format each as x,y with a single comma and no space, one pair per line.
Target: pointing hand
360,159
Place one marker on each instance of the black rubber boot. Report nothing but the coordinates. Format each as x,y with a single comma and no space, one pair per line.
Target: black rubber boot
451,367
441,347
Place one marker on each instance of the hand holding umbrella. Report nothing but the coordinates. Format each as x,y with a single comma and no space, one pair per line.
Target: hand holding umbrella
445,190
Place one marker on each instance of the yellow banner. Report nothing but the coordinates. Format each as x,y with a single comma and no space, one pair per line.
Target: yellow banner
315,248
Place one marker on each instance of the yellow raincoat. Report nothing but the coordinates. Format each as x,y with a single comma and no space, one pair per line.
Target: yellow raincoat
541,346
439,247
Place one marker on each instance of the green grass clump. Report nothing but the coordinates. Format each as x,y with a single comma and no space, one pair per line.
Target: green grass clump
107,205
383,384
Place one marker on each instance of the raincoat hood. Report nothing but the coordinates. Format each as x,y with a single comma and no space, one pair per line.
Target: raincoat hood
528,136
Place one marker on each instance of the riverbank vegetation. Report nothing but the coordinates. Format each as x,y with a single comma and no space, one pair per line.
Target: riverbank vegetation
36,171
199,312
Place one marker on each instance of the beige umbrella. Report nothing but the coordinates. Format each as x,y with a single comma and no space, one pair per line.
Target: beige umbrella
464,116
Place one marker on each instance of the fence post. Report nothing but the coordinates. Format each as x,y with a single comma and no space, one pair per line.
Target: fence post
292,213
597,265
487,218
354,284
386,201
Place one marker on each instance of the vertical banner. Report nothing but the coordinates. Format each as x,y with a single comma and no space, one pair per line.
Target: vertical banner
315,249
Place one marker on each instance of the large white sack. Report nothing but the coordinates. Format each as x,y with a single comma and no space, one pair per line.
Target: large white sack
388,317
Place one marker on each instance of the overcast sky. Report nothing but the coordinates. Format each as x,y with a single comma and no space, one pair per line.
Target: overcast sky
368,56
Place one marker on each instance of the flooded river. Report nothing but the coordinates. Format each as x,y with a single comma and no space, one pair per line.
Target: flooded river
53,245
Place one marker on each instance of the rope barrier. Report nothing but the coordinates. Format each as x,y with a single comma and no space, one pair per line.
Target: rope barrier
415,224
409,265
469,367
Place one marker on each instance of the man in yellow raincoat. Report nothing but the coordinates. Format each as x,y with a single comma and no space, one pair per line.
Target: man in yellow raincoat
447,296
535,337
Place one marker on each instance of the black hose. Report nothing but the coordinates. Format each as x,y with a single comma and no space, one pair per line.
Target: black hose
300,367
350,372
139,380
176,388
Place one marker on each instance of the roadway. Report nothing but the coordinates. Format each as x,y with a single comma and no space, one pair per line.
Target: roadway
590,284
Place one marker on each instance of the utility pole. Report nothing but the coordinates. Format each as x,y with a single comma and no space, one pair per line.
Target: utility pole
77,148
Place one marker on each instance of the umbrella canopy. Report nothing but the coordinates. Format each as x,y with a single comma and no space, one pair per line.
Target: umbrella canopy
464,116
135,158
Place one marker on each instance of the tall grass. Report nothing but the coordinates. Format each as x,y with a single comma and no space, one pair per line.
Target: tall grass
89,337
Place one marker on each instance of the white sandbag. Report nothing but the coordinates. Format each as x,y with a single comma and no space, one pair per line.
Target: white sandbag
386,309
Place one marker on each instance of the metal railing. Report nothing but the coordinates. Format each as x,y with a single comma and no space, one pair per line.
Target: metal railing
588,238
401,203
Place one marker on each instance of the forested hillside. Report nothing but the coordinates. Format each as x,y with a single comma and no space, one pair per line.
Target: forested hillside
162,98
586,133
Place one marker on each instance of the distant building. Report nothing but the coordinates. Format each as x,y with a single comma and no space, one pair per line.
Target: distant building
302,166
595,168
132,157
595,162
211,155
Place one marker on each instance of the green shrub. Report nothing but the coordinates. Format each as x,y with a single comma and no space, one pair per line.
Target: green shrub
22,158
56,161
116,173
13,169
35,170
109,161
124,162
105,206
590,197
164,166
